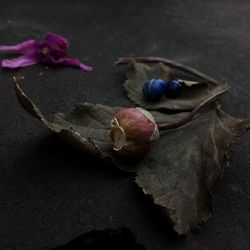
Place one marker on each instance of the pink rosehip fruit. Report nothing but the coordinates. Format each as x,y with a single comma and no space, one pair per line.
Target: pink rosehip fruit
132,131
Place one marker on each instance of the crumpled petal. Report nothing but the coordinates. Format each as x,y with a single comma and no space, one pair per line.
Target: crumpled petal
58,40
51,50
28,47
70,62
19,62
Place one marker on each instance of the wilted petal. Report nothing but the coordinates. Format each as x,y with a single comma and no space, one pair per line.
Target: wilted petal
19,62
72,62
58,40
27,47
50,51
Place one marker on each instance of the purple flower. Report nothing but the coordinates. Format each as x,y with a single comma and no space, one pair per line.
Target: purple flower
50,51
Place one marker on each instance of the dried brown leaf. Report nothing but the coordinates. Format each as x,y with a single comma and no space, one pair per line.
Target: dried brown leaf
192,95
182,169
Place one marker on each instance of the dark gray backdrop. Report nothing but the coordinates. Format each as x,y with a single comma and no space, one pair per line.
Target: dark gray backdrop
49,192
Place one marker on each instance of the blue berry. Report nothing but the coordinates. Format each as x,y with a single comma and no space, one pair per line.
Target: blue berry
154,89
174,88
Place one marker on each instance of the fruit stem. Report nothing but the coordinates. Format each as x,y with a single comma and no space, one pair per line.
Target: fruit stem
222,89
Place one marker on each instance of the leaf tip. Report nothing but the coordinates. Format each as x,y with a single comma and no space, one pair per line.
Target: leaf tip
25,102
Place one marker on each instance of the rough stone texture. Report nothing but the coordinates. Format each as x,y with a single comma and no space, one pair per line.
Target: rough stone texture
50,193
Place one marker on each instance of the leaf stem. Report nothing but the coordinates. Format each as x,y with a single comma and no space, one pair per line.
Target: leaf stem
173,64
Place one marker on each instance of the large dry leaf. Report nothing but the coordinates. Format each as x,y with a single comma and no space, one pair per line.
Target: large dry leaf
87,126
182,169
192,95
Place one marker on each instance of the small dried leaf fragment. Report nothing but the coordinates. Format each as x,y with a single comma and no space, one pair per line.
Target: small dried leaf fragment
192,95
182,169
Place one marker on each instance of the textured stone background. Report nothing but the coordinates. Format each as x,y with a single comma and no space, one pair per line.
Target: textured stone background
49,192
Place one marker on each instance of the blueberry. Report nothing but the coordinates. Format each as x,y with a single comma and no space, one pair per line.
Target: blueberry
154,89
173,89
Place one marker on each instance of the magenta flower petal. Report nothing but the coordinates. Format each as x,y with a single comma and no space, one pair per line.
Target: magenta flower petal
58,40
51,50
72,62
27,47
19,62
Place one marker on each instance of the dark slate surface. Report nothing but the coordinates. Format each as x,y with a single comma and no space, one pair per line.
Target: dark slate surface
49,192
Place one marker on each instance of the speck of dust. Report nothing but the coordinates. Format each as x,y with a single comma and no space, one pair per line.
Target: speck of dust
9,22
